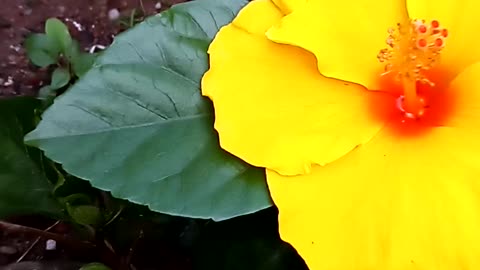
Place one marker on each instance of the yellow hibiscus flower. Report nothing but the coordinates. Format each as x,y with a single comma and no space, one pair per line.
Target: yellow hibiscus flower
366,115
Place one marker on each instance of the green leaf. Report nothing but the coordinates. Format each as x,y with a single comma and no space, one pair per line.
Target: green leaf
24,188
60,78
82,63
77,198
137,125
58,32
46,92
85,214
72,51
94,266
42,50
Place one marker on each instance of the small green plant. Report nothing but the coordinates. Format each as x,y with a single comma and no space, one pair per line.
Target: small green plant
135,17
55,48
94,266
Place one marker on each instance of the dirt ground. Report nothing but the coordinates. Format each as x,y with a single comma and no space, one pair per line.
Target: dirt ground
88,21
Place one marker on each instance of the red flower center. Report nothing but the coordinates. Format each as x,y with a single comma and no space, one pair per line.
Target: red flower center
439,103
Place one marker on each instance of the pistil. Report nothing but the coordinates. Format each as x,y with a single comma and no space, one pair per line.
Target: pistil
411,102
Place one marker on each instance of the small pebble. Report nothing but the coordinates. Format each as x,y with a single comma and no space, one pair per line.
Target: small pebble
9,81
158,5
96,47
12,60
113,14
51,244
27,12
77,25
8,250
16,48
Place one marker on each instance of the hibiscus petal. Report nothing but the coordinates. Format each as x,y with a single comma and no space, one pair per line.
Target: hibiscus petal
397,202
460,17
287,6
345,36
466,87
272,107
348,218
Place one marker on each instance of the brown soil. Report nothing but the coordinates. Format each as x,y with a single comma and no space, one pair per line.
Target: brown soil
24,245
88,21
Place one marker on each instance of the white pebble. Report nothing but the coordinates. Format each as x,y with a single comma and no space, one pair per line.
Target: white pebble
158,5
113,14
76,24
51,244
16,48
9,81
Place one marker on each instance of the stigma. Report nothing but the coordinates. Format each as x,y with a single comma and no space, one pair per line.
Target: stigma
413,48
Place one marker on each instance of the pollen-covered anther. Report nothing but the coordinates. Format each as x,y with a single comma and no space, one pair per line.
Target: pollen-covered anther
439,42
422,43
413,48
421,29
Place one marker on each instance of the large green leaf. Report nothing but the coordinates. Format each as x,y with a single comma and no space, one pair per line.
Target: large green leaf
137,125
24,188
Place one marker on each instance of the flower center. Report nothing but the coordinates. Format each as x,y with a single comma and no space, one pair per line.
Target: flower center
413,49
440,102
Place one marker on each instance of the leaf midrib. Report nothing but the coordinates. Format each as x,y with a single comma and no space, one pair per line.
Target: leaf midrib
96,132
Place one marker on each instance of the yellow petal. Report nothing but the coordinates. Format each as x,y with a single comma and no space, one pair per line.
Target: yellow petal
400,202
345,36
256,18
272,107
460,17
287,6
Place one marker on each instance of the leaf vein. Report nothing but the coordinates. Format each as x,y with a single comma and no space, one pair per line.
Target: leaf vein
169,98
95,132
99,117
134,100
